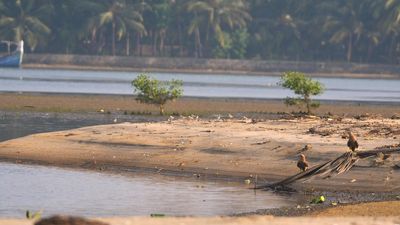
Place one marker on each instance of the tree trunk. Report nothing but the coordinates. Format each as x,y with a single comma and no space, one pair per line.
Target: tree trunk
161,109
308,104
350,47
198,44
369,54
162,38
155,40
128,37
391,49
138,45
207,40
180,39
113,39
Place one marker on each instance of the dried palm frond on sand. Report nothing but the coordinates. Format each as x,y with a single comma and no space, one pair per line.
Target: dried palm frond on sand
331,168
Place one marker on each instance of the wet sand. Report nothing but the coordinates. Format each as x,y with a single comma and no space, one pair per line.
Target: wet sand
388,208
186,106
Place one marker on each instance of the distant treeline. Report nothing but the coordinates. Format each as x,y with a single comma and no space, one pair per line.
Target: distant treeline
366,31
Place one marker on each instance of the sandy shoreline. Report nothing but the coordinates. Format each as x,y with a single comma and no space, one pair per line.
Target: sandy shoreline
235,149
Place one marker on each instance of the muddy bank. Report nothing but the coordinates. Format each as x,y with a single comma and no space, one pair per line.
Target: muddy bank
127,105
222,148
340,204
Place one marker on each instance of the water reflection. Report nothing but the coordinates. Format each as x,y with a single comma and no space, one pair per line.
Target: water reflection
84,193
18,124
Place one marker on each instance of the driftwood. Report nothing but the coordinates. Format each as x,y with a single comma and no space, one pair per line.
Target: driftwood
331,168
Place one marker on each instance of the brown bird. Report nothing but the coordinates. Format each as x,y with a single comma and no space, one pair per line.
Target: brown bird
352,142
302,164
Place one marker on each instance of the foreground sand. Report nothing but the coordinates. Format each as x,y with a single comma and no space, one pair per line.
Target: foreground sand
235,149
239,221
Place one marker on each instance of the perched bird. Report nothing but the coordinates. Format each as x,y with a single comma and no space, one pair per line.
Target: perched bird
302,164
352,142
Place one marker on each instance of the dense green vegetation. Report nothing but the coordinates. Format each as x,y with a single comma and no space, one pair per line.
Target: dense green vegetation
303,86
305,30
155,92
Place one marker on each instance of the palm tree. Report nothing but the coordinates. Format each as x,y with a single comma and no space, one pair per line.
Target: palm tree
157,21
25,20
345,24
215,16
390,22
393,13
119,15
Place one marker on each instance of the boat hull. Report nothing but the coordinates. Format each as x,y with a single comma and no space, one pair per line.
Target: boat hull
13,60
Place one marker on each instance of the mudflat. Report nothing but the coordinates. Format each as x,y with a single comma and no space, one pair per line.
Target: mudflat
200,106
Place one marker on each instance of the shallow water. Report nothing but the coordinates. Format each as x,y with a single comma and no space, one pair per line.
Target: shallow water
76,192
18,124
195,85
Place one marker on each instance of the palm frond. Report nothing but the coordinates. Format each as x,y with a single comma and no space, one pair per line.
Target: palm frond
334,167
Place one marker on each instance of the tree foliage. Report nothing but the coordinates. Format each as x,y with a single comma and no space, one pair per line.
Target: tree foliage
24,20
235,45
365,31
303,86
153,91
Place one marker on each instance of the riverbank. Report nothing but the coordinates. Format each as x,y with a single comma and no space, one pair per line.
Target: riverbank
127,105
207,66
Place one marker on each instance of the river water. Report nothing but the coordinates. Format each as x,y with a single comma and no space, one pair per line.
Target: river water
74,192
195,85
88,193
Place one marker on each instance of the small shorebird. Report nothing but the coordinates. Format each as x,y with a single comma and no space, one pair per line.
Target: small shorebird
302,164
352,142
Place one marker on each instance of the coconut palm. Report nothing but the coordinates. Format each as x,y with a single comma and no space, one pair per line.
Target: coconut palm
157,21
391,24
215,16
119,15
25,20
393,15
345,24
